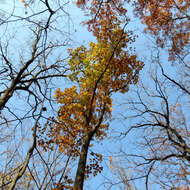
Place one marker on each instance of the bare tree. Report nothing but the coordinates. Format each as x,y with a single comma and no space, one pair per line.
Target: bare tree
32,61
159,115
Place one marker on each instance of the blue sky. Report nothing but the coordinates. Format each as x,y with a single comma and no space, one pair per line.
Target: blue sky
81,36
19,34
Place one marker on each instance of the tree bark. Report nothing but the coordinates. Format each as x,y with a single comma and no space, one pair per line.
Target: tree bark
79,179
80,174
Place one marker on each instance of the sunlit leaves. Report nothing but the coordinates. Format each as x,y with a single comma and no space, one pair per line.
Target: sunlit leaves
99,70
103,68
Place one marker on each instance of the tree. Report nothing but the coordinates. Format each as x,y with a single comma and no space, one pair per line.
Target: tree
27,74
168,21
33,81
159,112
47,142
98,72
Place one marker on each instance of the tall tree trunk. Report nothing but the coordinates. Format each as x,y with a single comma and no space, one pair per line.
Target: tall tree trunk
79,179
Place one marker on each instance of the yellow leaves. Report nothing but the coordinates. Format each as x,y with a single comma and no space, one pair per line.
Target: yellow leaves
88,67
66,96
100,70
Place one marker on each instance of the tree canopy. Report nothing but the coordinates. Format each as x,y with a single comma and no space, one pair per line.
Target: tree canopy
57,97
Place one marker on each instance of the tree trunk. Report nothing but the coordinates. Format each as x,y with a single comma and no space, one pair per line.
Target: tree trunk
79,179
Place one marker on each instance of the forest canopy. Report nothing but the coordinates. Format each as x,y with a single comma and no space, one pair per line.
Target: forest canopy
94,94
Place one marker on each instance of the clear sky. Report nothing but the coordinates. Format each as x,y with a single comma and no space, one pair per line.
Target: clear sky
19,33
80,36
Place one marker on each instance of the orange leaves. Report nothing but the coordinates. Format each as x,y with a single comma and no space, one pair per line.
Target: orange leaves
98,71
167,20
71,125
80,3
103,15
24,2
67,184
101,69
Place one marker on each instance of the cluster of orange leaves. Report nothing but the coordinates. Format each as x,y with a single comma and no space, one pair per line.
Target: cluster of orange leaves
168,20
98,71
24,2
102,69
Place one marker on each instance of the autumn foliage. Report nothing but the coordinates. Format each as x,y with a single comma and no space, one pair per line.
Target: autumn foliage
97,71
168,20
63,127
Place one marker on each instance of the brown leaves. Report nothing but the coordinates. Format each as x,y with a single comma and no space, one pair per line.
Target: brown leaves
105,67
168,20
94,164
98,71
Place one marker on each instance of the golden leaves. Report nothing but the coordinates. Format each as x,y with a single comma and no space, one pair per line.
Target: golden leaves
99,70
